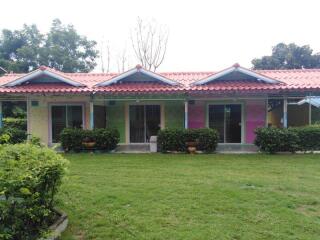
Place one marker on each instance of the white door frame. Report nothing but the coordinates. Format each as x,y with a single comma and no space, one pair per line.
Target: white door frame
127,114
242,104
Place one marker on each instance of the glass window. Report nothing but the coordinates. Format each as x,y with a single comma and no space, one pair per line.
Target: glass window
64,116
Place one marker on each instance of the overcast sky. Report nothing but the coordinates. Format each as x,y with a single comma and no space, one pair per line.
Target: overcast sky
204,35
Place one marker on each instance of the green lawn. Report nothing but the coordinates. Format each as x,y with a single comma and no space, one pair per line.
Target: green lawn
154,196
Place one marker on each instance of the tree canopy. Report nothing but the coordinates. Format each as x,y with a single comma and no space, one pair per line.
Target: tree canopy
288,56
61,48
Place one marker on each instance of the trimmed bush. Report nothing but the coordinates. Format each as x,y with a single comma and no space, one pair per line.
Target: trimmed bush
106,139
71,139
207,139
274,140
175,139
171,140
309,137
30,177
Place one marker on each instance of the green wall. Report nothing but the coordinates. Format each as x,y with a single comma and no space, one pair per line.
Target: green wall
116,118
174,114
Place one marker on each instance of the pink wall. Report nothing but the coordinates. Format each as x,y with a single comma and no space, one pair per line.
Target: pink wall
256,115
197,115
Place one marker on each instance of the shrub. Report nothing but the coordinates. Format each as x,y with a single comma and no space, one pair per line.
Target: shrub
19,123
274,140
105,138
175,139
35,141
309,137
71,139
4,138
207,139
29,180
171,140
16,135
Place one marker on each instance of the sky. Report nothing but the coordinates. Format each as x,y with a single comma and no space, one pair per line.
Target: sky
203,35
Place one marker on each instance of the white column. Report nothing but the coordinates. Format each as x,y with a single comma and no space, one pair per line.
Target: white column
28,116
91,115
186,112
310,111
266,118
285,112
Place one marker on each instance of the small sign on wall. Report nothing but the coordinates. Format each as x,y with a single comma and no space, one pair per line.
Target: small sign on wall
35,103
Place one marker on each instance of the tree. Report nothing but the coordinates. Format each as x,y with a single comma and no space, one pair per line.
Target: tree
62,48
289,56
122,61
19,49
67,51
105,55
149,42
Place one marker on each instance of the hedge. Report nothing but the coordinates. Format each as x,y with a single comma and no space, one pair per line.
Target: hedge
106,139
30,177
274,140
176,139
309,137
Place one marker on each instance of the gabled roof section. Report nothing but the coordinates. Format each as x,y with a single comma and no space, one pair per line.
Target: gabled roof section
236,72
138,74
44,72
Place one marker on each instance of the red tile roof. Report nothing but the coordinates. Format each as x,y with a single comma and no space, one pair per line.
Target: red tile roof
290,80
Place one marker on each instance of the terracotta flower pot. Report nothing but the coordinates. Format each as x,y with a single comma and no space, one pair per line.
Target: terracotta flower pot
192,147
89,144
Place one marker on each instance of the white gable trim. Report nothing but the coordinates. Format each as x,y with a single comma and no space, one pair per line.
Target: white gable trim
38,73
3,70
136,70
227,71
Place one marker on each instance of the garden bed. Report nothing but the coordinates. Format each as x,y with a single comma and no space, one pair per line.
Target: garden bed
58,227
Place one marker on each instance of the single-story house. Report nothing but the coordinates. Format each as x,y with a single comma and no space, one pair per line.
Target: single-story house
235,101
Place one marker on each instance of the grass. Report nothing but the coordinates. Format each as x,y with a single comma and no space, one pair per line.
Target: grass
154,196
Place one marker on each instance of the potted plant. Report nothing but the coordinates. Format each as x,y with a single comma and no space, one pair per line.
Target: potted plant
192,146
88,142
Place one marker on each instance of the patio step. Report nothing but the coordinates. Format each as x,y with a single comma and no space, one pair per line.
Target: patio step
236,148
133,148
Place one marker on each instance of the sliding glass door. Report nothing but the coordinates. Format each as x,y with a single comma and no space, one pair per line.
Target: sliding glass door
63,116
137,127
144,122
226,119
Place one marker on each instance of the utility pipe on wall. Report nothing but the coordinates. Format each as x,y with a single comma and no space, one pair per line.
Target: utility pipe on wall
186,112
285,113
91,115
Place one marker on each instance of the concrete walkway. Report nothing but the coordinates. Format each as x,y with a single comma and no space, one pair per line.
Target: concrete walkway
231,148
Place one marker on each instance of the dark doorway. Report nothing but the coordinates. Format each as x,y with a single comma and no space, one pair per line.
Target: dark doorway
144,122
99,116
226,119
